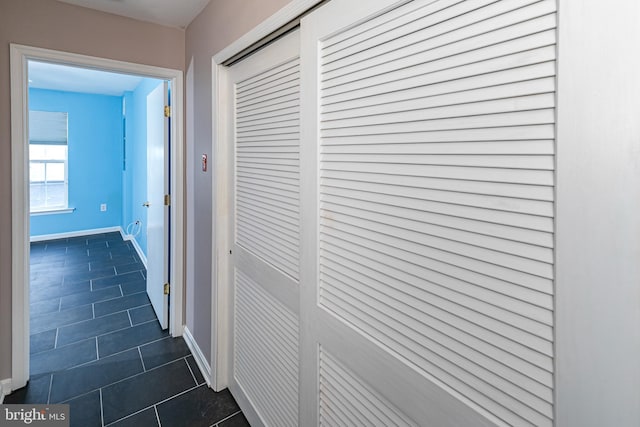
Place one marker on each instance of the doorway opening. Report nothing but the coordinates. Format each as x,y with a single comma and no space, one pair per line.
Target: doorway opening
62,167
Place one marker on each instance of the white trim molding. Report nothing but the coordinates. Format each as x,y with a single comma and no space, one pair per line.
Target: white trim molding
221,273
91,232
20,55
5,388
131,238
53,212
201,361
279,19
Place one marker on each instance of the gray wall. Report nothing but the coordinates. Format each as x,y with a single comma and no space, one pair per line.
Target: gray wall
217,26
54,25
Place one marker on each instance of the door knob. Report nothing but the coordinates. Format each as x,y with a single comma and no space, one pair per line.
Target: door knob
146,204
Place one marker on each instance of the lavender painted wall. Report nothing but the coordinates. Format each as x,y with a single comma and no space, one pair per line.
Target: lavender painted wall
54,25
217,26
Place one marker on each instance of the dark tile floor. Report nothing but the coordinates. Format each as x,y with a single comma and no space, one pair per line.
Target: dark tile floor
96,343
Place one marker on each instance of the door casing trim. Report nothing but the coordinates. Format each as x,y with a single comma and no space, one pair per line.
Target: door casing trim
20,55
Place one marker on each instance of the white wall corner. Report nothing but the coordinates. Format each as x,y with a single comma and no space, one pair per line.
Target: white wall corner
201,361
5,388
136,245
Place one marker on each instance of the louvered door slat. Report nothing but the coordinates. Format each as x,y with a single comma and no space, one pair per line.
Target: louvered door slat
436,222
264,121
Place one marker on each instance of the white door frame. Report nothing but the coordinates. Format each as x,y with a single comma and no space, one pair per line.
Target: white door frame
20,55
221,221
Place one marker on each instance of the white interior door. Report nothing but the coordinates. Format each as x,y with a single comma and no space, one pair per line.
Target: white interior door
427,209
157,212
264,117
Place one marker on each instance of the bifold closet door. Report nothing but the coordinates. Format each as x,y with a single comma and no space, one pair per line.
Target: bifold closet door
428,213
264,116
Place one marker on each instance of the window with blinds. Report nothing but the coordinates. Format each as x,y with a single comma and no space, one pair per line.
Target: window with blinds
48,161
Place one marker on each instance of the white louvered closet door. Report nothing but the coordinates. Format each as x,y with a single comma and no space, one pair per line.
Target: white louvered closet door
265,275
428,213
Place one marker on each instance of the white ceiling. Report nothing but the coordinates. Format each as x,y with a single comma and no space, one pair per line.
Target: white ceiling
173,13
43,75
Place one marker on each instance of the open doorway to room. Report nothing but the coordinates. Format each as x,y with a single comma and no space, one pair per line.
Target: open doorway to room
98,145
95,143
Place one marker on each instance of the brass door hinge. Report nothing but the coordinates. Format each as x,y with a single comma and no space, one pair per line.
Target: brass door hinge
167,200
167,111
166,288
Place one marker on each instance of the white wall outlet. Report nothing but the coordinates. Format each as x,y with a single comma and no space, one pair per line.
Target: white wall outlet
103,207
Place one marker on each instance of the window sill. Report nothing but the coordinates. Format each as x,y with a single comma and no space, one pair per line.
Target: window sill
53,211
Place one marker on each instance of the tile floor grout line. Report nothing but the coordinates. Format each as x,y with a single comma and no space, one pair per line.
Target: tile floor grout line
101,409
190,370
124,351
50,387
130,321
178,394
55,342
97,302
155,408
144,368
99,317
97,350
225,419
101,335
140,410
93,309
126,378
128,416
121,293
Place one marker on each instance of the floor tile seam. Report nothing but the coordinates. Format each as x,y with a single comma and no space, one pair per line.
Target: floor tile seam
70,367
79,322
95,318
129,308
155,408
130,415
66,401
217,423
50,387
126,379
105,333
145,372
130,320
119,284
185,392
190,370
139,345
94,302
101,409
93,278
144,368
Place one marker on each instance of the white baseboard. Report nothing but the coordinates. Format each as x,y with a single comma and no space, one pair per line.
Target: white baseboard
5,388
204,367
73,234
136,245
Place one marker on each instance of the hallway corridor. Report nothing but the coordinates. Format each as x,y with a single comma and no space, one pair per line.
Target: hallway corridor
96,343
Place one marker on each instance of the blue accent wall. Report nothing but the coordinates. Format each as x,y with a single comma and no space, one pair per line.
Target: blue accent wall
94,160
134,177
